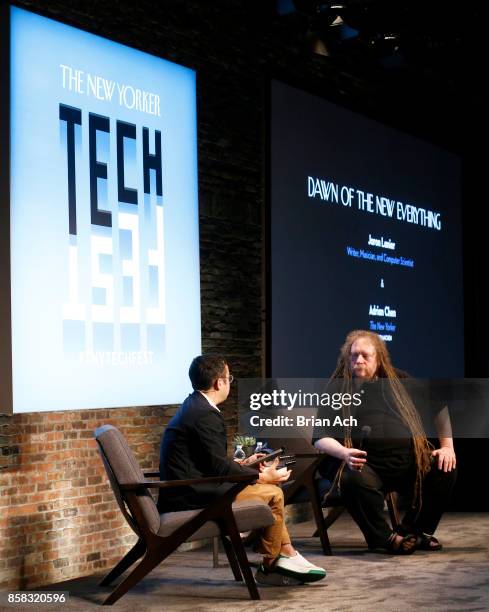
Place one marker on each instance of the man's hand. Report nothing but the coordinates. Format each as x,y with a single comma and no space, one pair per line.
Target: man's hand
271,475
252,458
447,460
355,458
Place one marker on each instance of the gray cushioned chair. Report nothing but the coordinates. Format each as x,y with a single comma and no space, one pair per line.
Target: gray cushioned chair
160,534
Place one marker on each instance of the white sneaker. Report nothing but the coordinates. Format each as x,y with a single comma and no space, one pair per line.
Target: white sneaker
305,562
273,578
299,568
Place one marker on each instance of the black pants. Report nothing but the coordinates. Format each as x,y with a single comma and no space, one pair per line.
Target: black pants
364,494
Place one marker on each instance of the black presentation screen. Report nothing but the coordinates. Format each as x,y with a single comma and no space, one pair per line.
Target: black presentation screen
365,233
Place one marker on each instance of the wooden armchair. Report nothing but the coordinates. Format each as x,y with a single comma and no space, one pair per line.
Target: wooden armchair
305,486
160,534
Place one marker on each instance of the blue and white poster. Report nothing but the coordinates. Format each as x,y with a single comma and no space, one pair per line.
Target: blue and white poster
104,221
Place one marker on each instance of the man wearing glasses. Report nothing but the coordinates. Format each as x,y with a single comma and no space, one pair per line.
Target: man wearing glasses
194,445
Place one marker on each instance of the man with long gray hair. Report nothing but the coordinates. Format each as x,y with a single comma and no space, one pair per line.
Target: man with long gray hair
396,456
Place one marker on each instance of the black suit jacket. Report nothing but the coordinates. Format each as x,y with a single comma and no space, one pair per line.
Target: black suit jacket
194,445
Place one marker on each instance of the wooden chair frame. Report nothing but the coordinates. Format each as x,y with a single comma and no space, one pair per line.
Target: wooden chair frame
153,548
307,480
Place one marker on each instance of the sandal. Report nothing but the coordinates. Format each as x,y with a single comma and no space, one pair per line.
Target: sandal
407,545
425,541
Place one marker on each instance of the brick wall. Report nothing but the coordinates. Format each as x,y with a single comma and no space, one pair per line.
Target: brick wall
58,518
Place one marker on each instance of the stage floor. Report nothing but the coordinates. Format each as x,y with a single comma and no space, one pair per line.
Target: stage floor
456,578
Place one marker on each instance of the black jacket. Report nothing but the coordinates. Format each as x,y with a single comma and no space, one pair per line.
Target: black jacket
194,445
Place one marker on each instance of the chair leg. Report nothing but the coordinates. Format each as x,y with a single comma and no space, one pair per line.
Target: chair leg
215,552
319,518
136,552
334,513
151,559
240,553
233,562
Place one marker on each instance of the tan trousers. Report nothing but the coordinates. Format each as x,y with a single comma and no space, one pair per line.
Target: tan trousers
275,536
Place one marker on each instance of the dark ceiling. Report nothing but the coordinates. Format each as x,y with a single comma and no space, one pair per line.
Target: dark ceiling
425,56
408,38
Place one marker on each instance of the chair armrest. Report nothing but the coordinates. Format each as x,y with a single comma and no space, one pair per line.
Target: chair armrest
166,484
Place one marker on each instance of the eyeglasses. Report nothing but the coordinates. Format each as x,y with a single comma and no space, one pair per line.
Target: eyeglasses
230,378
